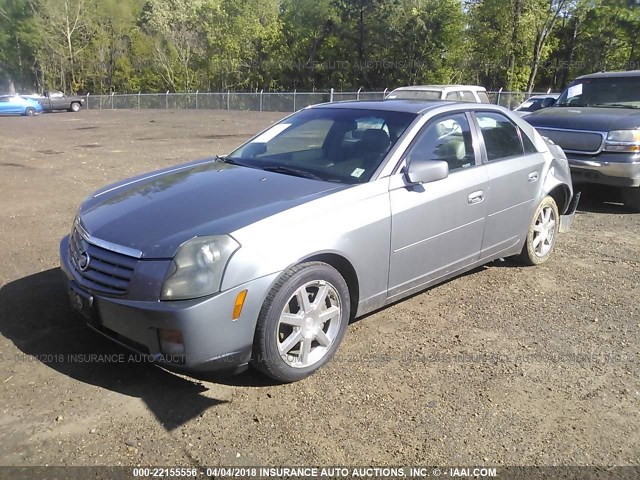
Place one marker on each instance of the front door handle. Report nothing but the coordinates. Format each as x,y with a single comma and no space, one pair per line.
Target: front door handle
533,177
476,197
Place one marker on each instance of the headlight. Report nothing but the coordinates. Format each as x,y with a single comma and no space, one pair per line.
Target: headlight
623,141
197,268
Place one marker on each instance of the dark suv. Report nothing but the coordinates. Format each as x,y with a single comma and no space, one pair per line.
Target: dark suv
596,121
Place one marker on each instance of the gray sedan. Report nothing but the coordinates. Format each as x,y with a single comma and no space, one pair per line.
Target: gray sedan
263,256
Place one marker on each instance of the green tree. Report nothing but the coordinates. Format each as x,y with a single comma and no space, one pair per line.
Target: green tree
245,44
179,36
502,35
608,37
364,40
19,41
545,13
309,31
426,42
186,45
108,63
66,32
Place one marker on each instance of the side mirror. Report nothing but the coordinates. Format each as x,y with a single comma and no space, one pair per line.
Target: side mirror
426,171
548,102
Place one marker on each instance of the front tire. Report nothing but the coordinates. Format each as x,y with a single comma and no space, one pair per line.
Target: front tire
75,107
302,322
631,198
30,111
542,234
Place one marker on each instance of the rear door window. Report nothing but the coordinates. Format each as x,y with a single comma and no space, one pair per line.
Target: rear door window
501,136
528,145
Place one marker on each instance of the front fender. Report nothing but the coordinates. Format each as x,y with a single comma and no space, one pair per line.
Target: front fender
354,223
558,176
557,183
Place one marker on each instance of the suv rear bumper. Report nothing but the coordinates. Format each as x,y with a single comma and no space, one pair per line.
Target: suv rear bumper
620,170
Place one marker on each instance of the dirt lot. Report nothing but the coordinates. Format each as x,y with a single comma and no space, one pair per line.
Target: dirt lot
505,365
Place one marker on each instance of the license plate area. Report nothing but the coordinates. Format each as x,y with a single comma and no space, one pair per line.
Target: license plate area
82,304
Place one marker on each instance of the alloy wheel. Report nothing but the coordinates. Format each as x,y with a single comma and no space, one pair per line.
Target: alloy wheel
309,324
544,231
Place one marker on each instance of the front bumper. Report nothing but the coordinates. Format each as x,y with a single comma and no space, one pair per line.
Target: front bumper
212,340
616,169
566,219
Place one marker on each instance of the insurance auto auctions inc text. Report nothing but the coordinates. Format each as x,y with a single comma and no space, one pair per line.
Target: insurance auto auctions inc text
349,472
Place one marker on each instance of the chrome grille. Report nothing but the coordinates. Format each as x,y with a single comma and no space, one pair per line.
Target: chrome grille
106,271
578,141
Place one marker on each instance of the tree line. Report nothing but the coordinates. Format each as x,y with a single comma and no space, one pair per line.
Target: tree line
103,46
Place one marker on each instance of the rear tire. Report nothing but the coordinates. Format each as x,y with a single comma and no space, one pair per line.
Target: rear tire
30,111
631,198
75,107
302,322
542,234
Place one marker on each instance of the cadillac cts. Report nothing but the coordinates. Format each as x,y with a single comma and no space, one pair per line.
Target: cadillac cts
264,255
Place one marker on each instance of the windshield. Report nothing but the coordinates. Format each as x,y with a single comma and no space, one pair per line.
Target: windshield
530,105
416,95
330,144
619,92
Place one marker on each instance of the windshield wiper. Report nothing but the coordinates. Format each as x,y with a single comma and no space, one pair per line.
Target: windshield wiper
230,161
291,171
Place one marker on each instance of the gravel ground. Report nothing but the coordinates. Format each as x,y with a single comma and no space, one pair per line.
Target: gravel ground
502,366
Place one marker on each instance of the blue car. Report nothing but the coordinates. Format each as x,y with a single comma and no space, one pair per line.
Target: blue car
17,105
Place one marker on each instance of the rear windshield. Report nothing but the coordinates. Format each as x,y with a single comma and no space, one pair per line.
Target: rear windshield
612,92
416,95
531,105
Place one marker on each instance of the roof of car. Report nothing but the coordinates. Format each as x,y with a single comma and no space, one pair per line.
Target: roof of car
629,73
442,87
543,95
397,105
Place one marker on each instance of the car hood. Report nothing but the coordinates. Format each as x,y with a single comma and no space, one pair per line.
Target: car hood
157,212
586,118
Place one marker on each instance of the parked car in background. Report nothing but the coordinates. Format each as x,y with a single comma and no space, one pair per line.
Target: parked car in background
596,121
535,103
55,100
264,256
456,93
17,105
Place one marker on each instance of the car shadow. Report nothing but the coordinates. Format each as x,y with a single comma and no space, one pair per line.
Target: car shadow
248,378
35,315
600,199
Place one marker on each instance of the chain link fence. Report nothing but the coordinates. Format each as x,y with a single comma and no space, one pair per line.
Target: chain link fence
256,101
512,99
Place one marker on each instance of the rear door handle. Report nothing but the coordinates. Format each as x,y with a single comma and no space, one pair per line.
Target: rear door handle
476,197
533,177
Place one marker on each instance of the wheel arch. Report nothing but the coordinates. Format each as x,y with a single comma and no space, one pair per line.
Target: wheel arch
562,195
348,272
